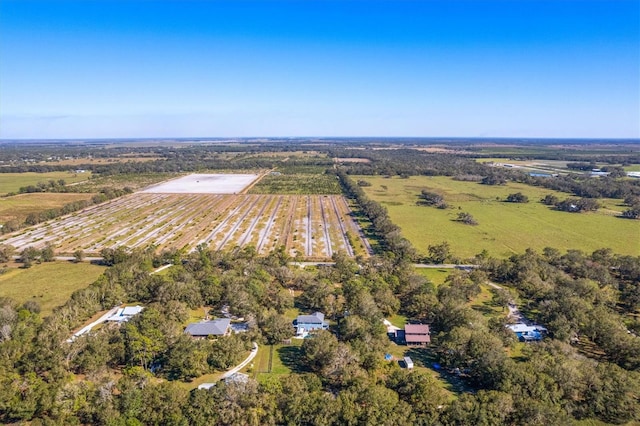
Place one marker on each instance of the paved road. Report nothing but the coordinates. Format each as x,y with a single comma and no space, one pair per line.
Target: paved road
243,364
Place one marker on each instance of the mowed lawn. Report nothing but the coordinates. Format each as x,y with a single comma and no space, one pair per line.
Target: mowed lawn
504,228
436,276
50,284
12,182
20,206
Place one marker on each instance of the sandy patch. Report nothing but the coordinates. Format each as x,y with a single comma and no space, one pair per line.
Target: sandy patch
204,184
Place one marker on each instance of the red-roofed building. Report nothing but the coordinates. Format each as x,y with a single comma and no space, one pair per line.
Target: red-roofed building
417,334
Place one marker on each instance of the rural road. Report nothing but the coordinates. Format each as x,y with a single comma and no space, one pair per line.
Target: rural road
299,264
243,364
415,265
88,327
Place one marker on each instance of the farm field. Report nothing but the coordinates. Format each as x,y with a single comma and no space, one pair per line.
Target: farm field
313,227
20,206
504,228
12,182
297,184
50,284
204,184
132,180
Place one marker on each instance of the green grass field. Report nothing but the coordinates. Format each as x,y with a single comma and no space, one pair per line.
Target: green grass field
504,228
12,182
49,284
276,360
436,276
19,206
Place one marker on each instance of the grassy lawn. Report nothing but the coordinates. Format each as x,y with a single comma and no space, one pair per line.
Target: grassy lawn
422,360
12,182
20,206
277,360
207,378
49,284
197,315
398,320
483,303
504,228
292,313
436,276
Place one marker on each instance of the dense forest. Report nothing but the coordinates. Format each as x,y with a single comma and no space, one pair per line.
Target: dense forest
127,375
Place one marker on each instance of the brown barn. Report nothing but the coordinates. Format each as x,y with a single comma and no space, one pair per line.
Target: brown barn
417,334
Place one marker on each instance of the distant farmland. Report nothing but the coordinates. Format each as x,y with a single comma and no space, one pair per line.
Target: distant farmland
12,182
504,228
314,226
20,206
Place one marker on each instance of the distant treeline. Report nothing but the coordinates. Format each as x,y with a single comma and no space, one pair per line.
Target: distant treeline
408,162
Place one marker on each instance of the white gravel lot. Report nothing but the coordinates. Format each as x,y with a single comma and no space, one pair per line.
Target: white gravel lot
203,184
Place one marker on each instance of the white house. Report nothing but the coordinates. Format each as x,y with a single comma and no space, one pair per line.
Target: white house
126,313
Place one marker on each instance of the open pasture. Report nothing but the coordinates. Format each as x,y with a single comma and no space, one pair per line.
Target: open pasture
311,226
18,207
12,182
504,228
50,284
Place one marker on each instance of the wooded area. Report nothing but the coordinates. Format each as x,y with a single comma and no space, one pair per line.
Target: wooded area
474,371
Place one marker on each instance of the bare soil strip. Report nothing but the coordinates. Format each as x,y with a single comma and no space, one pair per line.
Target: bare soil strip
264,233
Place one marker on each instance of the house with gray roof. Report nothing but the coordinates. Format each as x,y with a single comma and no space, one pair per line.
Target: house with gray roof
217,328
307,323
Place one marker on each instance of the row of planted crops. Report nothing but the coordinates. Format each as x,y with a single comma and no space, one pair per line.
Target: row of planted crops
312,226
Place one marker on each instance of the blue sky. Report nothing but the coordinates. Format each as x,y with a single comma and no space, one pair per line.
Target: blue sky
510,68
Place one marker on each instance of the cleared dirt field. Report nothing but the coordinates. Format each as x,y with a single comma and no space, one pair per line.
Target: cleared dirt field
204,184
313,226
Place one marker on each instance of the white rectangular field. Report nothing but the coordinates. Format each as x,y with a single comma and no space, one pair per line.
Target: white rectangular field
204,184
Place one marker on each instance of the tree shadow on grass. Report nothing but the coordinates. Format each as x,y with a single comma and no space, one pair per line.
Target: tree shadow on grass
291,357
425,357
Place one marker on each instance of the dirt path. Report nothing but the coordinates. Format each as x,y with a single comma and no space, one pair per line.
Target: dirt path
268,226
343,230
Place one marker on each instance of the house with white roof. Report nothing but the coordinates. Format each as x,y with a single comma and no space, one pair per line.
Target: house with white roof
126,313
528,333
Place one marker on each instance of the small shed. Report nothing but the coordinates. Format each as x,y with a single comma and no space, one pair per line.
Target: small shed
408,362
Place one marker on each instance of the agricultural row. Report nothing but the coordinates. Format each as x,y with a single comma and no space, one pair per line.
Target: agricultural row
311,226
